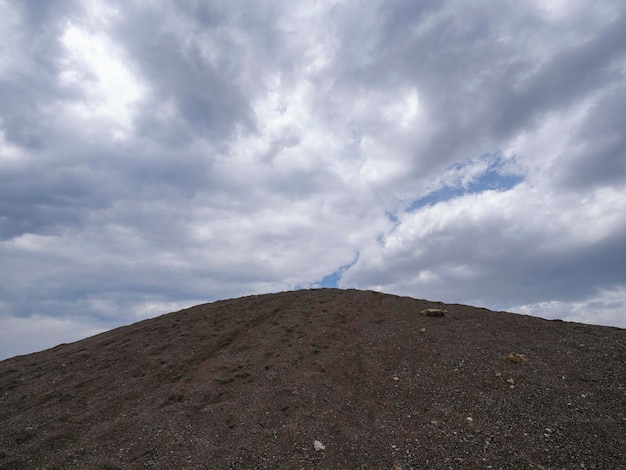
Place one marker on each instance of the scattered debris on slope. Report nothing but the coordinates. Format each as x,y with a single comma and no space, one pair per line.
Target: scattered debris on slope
250,383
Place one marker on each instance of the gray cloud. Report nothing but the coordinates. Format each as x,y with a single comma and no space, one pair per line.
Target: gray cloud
596,154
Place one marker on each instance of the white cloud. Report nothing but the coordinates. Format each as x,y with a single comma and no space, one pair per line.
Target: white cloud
37,332
94,64
497,247
605,308
9,154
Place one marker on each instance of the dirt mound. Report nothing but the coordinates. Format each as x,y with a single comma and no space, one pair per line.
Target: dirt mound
326,379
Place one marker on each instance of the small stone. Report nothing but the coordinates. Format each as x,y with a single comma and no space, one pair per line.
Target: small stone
516,358
396,378
511,381
498,374
433,312
470,420
435,423
318,446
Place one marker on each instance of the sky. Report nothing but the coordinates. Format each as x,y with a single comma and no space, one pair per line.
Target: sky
159,154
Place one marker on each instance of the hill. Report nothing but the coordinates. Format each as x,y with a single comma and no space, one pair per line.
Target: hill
253,382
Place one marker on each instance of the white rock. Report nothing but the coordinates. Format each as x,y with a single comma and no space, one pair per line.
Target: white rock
317,445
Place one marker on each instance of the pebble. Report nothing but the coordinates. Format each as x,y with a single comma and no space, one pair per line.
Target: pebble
318,446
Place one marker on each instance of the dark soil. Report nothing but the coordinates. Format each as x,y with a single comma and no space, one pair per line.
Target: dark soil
251,383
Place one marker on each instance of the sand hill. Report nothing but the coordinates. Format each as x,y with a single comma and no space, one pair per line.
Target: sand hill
321,379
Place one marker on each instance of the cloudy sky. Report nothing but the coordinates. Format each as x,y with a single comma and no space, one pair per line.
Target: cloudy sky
159,154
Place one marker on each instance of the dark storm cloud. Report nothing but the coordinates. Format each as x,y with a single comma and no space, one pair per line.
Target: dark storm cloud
32,55
200,58
517,69
596,155
42,201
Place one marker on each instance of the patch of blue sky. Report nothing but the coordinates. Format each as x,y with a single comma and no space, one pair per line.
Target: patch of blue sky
332,280
495,177
391,216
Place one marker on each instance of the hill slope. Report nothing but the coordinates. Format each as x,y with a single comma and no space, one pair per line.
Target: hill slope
252,382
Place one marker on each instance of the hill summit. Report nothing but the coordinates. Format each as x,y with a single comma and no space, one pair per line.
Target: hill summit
321,379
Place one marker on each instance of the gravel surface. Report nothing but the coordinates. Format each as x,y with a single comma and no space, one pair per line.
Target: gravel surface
322,379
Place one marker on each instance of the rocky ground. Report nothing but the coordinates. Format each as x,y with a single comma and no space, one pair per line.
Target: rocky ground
252,383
